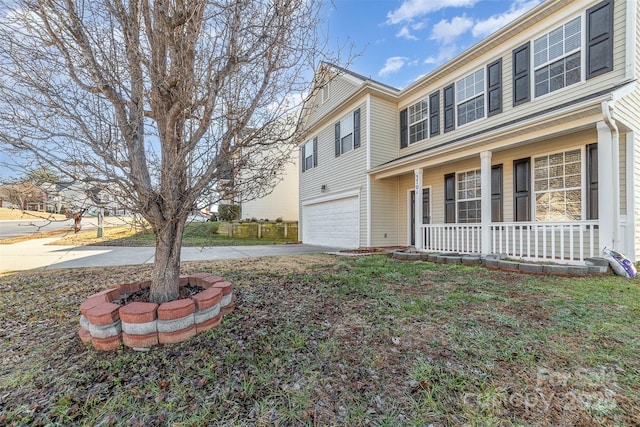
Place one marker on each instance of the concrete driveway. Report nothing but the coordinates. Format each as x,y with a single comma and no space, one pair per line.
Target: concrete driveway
37,254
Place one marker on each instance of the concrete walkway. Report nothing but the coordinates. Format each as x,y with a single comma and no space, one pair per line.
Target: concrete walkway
37,254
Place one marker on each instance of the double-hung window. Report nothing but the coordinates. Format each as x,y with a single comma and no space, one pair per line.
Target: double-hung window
557,58
557,186
418,115
469,196
347,133
310,154
470,97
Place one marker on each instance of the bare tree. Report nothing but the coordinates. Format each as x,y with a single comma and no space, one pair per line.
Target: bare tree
153,99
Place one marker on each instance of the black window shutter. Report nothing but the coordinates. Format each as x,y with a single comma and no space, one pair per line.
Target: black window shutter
337,139
522,190
450,198
592,181
449,108
496,193
494,87
304,160
521,73
434,113
315,151
356,128
404,129
600,39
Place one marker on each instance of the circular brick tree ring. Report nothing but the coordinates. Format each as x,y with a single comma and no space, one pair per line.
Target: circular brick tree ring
140,325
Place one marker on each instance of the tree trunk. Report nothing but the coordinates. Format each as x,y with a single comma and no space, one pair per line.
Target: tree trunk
165,279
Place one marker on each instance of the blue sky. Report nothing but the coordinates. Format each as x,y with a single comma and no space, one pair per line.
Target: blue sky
402,40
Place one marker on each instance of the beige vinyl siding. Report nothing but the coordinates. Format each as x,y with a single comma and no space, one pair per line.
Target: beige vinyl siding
385,133
385,220
626,114
339,174
340,89
504,51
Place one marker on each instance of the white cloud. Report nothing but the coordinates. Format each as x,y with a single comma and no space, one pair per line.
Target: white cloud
393,65
447,31
444,54
405,33
493,23
411,9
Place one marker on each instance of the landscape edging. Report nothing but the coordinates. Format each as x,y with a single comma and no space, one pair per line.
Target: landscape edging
102,324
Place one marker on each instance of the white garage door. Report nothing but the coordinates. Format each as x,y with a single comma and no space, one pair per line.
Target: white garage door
333,223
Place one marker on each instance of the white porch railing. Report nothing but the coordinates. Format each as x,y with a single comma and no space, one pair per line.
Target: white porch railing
465,238
552,241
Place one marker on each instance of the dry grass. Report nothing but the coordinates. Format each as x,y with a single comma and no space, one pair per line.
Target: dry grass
17,214
323,340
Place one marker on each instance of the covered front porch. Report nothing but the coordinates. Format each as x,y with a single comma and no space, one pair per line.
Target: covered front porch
565,202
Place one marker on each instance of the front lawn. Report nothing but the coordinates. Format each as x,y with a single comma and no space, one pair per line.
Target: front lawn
327,340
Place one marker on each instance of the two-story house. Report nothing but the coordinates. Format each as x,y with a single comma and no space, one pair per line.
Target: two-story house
525,144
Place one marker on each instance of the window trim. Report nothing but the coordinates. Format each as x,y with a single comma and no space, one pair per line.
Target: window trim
355,133
458,102
564,56
424,120
313,143
462,200
583,182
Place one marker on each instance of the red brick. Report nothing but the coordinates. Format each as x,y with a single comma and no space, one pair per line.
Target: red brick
140,341
85,336
138,312
145,284
208,324
184,280
130,288
207,298
177,336
107,344
176,309
193,278
109,294
226,287
90,303
207,282
103,314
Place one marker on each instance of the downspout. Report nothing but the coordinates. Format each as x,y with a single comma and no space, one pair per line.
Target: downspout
607,107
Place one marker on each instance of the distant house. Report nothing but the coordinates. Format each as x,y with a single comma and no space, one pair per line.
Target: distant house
525,144
279,202
282,202
68,196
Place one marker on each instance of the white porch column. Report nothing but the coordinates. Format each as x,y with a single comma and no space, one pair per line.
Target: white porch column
485,201
417,211
608,184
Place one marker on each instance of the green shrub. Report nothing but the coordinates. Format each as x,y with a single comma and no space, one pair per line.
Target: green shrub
229,212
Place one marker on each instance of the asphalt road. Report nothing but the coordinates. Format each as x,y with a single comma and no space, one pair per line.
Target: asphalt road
23,227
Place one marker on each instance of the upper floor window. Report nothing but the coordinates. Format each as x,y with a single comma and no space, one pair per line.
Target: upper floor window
310,154
347,133
557,58
470,97
418,115
325,92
